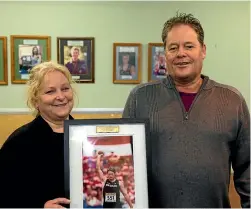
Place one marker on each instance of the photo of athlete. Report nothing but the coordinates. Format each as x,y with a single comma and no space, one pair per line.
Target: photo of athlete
160,65
108,172
111,187
157,68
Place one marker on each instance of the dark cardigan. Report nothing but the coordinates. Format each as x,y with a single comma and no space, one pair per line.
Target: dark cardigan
32,166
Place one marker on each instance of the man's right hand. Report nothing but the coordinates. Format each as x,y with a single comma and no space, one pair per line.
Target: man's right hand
100,153
56,203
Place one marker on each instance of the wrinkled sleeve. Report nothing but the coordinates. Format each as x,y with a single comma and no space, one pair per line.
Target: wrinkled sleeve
241,157
130,106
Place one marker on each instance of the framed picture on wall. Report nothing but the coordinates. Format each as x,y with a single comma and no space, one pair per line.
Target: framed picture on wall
3,61
26,52
127,63
157,68
106,161
77,54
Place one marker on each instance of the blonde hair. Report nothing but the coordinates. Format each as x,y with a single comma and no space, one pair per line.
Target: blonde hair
36,78
75,48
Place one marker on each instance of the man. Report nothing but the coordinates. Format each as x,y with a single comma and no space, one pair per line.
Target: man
111,187
198,127
76,66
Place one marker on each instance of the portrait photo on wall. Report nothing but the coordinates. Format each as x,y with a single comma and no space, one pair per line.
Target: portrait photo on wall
29,55
127,63
3,61
77,54
27,52
157,68
108,172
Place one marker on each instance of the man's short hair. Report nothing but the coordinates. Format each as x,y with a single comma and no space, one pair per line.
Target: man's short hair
74,49
185,19
112,170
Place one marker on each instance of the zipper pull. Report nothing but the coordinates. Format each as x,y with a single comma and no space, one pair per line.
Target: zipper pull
186,116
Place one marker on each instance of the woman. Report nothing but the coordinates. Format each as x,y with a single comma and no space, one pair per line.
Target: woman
36,57
32,158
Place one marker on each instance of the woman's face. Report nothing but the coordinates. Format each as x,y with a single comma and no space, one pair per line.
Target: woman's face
35,50
55,100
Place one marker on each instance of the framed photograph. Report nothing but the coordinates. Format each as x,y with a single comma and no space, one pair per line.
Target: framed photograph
127,63
77,54
157,68
26,52
3,61
106,163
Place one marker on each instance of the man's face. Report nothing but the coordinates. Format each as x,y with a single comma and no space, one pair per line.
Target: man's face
111,175
184,53
75,54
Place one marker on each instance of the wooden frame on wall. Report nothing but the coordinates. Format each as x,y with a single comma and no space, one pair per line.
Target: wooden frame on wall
156,62
83,50
131,53
26,52
3,61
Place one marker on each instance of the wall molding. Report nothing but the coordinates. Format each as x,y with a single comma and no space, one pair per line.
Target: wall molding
74,111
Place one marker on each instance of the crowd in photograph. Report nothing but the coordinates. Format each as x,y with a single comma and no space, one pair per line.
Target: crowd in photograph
93,185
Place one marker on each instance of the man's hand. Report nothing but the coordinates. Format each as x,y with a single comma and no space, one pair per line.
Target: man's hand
56,203
101,153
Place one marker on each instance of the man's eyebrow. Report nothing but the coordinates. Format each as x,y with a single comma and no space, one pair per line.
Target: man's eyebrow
189,42
175,43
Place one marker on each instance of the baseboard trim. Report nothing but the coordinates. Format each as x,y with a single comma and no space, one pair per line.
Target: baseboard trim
74,111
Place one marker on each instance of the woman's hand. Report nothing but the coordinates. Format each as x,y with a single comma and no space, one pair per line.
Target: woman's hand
56,203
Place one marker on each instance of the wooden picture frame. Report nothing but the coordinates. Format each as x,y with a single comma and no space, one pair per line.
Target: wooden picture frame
3,61
120,142
26,52
131,53
157,68
81,49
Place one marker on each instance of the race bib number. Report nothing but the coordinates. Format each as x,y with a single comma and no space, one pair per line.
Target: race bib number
162,71
110,197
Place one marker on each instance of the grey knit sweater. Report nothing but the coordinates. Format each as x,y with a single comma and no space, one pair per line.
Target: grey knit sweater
192,152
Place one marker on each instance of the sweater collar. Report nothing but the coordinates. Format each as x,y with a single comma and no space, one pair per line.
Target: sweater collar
206,84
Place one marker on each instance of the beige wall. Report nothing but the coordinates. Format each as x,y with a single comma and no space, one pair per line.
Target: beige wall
9,122
226,25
